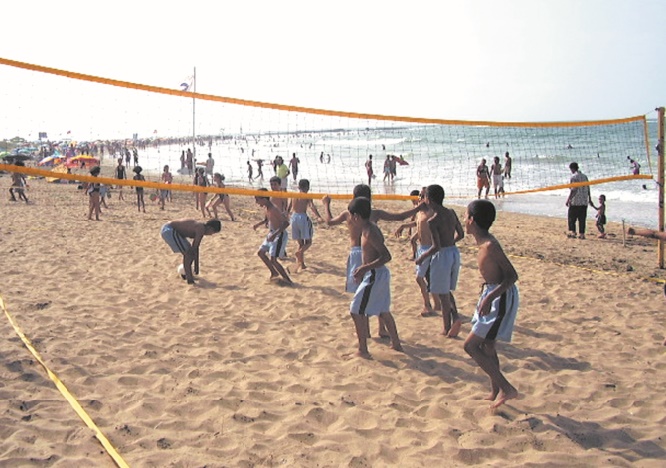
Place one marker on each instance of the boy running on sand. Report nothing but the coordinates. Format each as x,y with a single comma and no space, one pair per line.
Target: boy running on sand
446,230
301,224
276,240
498,305
219,198
175,234
18,185
373,295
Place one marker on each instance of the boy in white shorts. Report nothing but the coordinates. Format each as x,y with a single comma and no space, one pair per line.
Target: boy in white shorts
301,224
498,305
373,295
446,230
275,243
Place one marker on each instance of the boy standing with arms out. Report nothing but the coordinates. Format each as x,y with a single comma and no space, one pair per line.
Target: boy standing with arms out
175,234
301,224
498,305
446,230
276,240
373,295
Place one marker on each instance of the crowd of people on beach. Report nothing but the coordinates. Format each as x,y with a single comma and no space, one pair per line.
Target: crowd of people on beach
434,231
437,229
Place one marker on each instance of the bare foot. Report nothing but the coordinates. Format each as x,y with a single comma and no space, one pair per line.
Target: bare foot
274,278
363,354
504,397
455,329
492,395
428,312
397,347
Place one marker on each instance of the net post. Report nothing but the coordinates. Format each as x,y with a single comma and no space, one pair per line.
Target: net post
660,183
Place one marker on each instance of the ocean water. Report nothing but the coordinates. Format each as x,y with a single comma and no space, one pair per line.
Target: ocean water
447,155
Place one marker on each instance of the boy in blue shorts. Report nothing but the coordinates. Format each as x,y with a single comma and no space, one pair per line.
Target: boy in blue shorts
176,233
446,230
276,241
301,224
498,305
373,295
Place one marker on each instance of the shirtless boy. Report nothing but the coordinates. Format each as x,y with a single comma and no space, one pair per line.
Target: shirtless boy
301,224
280,202
373,295
498,305
424,239
276,240
355,259
176,233
446,230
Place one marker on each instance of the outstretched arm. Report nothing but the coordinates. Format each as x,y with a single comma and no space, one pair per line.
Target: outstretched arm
330,220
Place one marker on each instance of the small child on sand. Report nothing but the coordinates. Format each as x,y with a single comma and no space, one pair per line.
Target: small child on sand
601,215
276,240
498,305
167,178
18,185
373,295
219,198
141,205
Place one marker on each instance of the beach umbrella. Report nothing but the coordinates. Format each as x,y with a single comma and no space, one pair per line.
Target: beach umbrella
15,157
49,160
86,159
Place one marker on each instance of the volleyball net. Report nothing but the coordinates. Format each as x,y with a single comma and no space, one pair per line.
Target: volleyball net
67,114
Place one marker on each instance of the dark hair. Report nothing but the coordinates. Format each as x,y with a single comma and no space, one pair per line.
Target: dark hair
360,206
573,166
414,193
214,224
435,193
362,190
95,170
275,179
304,184
137,169
262,189
483,212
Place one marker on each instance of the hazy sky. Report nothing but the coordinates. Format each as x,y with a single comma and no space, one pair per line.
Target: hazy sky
506,60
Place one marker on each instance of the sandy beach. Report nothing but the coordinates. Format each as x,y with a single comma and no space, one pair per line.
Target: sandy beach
238,371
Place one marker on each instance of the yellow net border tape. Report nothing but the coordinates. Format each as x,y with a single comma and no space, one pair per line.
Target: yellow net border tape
63,390
308,110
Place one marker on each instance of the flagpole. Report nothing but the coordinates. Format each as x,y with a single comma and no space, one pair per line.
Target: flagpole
194,135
